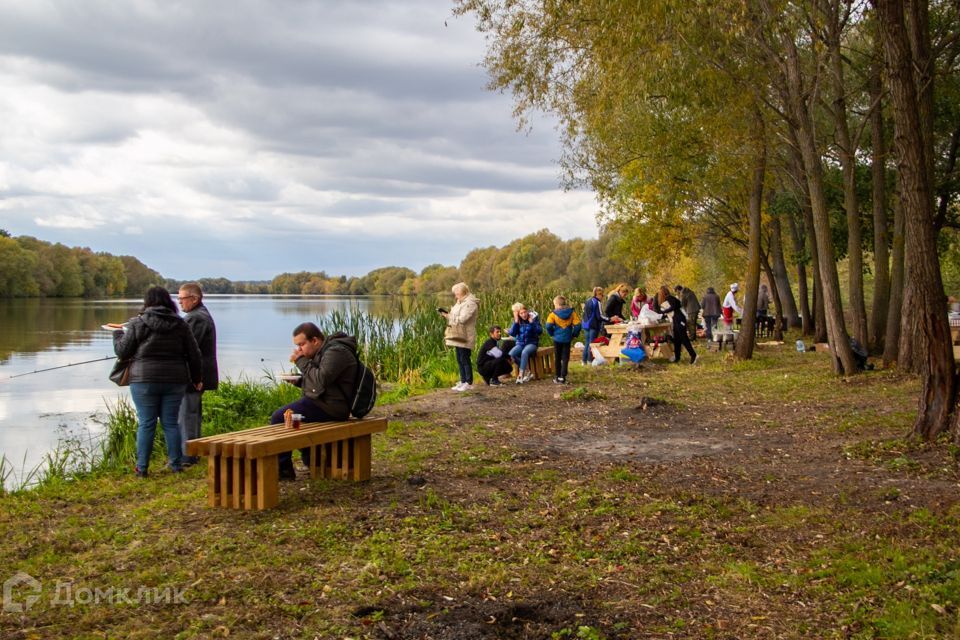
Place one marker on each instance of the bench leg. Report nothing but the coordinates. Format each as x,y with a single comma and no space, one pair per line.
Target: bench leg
237,482
226,480
361,458
314,454
249,483
268,482
213,479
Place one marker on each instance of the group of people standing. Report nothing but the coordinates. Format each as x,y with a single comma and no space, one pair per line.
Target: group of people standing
564,325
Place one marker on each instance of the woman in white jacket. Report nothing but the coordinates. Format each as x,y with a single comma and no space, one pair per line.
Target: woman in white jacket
461,332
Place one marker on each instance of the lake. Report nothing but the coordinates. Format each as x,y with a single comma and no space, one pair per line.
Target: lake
37,410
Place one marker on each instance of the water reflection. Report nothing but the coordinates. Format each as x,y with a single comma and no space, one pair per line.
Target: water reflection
253,332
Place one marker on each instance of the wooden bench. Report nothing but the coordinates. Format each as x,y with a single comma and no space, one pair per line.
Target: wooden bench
542,364
242,466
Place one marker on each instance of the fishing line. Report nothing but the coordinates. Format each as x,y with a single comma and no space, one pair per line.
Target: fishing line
63,366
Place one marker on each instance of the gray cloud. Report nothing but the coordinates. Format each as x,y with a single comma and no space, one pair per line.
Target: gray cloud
248,124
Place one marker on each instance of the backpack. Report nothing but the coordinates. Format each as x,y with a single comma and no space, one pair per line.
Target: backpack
365,394
364,388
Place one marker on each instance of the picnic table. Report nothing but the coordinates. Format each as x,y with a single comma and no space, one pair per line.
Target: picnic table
618,337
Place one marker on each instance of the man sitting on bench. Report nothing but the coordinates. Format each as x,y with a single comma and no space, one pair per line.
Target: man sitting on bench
328,367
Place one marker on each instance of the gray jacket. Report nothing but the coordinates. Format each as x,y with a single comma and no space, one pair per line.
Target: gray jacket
329,377
161,347
691,307
711,304
205,332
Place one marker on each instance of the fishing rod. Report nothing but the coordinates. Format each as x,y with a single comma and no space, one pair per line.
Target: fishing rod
63,366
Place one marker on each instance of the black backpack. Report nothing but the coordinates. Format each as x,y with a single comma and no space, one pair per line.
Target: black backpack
364,394
365,391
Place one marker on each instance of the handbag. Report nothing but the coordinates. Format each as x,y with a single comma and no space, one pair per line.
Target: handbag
455,333
120,374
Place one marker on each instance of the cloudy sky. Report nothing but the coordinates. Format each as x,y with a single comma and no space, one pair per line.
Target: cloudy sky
245,138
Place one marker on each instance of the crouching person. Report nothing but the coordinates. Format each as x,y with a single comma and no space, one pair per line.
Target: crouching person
493,361
328,366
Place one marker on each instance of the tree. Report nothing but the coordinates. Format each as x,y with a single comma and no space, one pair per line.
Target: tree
910,82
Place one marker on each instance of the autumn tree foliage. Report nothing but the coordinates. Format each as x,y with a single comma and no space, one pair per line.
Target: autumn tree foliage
762,125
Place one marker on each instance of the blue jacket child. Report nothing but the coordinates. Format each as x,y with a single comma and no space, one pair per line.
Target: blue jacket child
563,324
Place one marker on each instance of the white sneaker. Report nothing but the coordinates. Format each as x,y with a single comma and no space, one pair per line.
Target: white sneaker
465,386
457,387
527,378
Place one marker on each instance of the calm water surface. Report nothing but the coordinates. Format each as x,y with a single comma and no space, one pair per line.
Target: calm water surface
37,410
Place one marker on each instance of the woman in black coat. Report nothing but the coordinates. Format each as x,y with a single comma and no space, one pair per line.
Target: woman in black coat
667,303
164,358
613,311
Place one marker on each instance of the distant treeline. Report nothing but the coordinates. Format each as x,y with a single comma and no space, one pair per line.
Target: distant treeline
539,260
31,267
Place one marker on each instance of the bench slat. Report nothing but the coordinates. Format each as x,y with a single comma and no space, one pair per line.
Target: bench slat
318,433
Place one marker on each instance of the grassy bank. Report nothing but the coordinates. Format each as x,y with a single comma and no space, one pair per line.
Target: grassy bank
765,499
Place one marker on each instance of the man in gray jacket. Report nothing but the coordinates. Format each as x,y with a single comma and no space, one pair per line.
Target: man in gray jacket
205,331
328,367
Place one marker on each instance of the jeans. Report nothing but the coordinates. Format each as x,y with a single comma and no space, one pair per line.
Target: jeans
464,364
561,356
521,355
191,410
311,413
157,400
589,335
710,322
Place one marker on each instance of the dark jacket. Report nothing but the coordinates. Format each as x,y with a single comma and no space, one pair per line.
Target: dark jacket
711,303
490,367
329,377
161,347
205,332
527,331
592,317
614,306
672,305
691,306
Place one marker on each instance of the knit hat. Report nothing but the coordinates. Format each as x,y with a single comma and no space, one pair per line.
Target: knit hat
734,286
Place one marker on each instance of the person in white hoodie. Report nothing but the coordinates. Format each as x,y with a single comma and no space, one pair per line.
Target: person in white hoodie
462,332
729,307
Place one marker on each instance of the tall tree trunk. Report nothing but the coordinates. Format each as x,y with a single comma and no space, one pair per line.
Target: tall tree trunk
897,278
802,232
881,255
843,361
924,287
775,296
788,307
847,148
747,339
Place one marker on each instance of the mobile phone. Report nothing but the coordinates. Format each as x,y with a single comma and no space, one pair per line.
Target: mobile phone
441,310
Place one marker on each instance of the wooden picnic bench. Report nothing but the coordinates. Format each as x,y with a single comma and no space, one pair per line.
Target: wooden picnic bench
618,338
242,466
542,364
